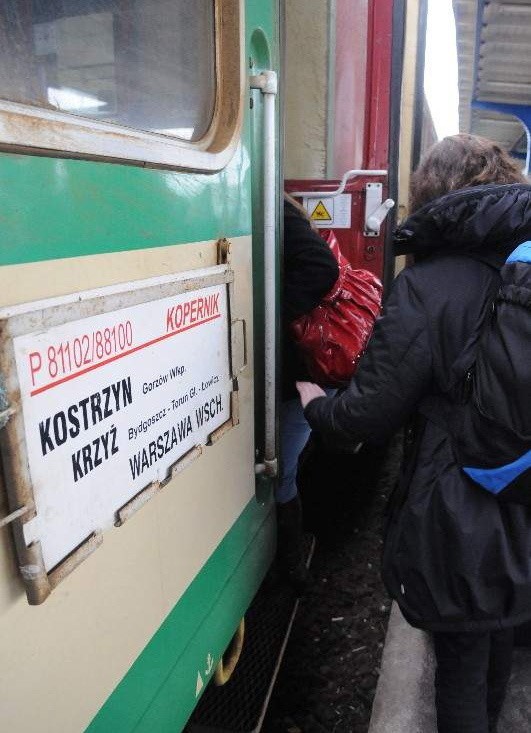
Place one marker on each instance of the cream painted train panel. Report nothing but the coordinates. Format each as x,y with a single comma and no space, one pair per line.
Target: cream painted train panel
90,630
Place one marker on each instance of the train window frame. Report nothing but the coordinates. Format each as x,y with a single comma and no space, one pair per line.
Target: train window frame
29,129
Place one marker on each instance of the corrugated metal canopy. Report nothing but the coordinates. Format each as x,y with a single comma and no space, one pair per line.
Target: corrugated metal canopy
495,69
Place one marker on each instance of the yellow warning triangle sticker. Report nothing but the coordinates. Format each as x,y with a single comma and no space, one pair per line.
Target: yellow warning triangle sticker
320,213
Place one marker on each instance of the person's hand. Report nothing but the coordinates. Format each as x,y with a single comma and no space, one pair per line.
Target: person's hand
309,391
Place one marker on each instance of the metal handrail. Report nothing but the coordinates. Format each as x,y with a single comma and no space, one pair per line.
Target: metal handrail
354,173
267,83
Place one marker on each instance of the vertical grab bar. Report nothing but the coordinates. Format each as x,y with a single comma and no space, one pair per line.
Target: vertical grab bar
267,83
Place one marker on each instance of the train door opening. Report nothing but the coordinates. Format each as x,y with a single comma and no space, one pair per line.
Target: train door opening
343,74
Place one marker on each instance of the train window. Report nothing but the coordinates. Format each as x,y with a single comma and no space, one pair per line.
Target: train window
156,66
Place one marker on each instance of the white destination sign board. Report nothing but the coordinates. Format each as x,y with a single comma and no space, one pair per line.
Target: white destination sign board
112,401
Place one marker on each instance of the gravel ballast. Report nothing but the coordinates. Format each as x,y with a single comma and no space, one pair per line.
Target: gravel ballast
329,673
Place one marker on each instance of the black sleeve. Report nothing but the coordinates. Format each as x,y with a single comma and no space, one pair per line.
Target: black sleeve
394,374
310,268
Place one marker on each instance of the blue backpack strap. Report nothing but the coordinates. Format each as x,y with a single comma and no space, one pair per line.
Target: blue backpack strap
521,254
498,479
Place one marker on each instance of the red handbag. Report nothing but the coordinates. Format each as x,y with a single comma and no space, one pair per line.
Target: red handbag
333,336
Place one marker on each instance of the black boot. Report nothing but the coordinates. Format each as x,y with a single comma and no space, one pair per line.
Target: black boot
290,556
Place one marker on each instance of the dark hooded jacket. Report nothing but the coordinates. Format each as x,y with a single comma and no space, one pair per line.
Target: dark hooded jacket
455,558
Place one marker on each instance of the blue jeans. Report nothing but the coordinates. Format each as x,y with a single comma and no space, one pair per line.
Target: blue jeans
294,434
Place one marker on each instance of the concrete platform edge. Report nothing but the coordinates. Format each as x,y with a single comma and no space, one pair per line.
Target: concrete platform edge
404,701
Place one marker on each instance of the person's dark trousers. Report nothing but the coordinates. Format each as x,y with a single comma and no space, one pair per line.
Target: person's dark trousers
290,555
471,679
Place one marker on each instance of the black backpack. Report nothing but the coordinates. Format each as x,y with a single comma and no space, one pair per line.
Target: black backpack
492,426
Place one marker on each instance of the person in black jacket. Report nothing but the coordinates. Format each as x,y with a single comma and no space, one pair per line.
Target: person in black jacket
310,271
457,561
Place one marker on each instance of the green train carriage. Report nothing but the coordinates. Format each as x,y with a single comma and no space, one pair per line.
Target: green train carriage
129,166
141,164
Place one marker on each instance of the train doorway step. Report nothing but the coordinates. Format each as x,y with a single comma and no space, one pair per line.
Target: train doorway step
241,704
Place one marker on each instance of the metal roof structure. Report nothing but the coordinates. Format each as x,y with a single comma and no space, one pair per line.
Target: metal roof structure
494,55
